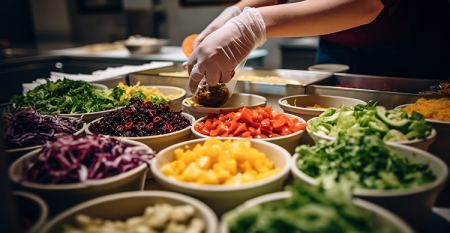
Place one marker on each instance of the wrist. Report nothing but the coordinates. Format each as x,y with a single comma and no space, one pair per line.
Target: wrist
251,24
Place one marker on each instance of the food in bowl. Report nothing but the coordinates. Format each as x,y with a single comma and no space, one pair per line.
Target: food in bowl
308,209
67,96
147,94
433,109
140,119
365,162
270,79
390,125
161,217
103,47
247,123
25,127
316,106
220,163
211,96
74,159
139,40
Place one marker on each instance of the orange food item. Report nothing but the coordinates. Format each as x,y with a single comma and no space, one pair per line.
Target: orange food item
187,45
246,123
433,109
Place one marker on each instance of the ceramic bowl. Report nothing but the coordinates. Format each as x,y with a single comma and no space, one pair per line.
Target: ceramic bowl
422,144
61,196
175,103
332,68
237,101
383,217
222,198
310,100
32,209
128,204
288,142
413,205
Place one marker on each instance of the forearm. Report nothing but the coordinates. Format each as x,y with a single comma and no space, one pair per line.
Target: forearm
255,3
318,17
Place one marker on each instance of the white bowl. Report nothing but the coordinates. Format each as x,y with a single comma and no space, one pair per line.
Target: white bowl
332,68
288,142
121,206
159,142
414,204
422,144
440,145
310,100
14,154
383,217
88,117
100,86
31,205
175,103
61,196
222,198
237,101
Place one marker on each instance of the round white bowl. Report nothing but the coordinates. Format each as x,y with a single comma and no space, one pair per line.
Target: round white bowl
61,196
159,142
288,142
413,205
383,217
32,205
14,154
222,198
332,68
237,101
310,100
121,206
175,103
100,86
440,145
422,144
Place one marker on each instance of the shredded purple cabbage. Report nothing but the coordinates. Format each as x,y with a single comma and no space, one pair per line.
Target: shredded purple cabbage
73,159
25,127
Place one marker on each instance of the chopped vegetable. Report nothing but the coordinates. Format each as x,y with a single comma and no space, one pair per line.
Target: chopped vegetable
139,119
366,162
25,127
360,120
67,97
217,162
433,109
161,217
316,106
246,123
147,94
74,159
309,210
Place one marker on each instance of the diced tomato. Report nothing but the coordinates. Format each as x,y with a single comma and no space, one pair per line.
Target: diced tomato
266,123
252,130
289,122
299,126
276,115
263,113
233,127
246,134
222,128
257,117
256,125
242,128
285,131
224,134
261,136
209,124
279,123
214,133
274,135
246,118
268,110
266,131
205,131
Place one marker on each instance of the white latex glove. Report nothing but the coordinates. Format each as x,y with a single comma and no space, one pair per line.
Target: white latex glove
217,23
220,52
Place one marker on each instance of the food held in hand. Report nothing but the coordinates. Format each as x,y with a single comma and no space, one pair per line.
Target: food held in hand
215,96
147,94
161,217
140,119
216,162
246,123
25,127
365,162
74,159
433,109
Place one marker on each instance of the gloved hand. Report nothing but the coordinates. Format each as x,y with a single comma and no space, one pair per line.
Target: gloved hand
220,52
217,23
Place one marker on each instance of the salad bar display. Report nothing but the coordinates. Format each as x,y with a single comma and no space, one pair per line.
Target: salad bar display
246,154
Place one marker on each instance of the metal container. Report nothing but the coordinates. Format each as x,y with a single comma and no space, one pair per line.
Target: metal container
271,91
388,91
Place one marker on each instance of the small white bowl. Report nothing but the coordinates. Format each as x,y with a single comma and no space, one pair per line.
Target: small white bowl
61,196
310,100
31,205
422,144
14,154
121,206
332,68
288,142
413,205
159,142
175,103
383,217
237,101
222,198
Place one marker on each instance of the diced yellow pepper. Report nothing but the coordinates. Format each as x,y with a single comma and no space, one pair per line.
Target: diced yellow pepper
190,174
203,162
167,170
267,174
188,157
178,153
230,165
208,177
248,177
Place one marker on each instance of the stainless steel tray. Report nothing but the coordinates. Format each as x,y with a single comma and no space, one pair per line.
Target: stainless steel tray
272,91
388,91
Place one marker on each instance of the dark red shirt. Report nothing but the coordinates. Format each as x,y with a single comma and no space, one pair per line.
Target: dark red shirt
399,18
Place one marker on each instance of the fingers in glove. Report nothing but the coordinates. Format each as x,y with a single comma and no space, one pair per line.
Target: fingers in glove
212,74
196,75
